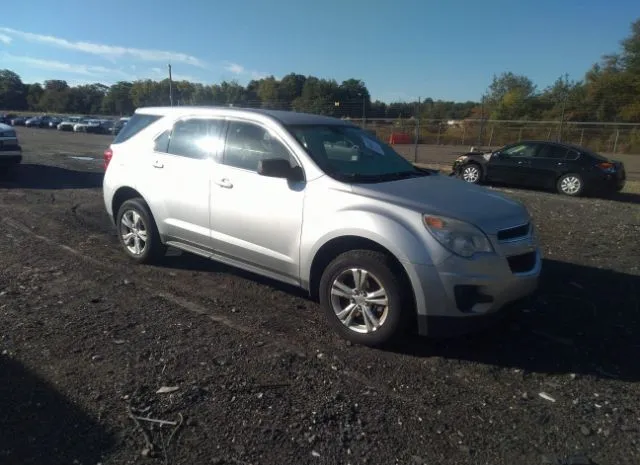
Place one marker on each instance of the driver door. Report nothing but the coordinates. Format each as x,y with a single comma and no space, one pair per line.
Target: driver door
511,165
256,220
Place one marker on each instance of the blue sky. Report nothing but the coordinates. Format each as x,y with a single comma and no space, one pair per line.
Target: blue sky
401,49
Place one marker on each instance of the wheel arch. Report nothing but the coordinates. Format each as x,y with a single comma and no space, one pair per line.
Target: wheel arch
121,195
482,166
341,244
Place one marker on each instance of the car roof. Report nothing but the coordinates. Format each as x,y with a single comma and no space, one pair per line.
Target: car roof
284,117
553,142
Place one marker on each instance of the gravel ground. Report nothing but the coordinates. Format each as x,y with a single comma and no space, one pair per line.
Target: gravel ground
256,377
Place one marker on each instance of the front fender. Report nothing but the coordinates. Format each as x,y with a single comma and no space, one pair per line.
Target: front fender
405,241
408,243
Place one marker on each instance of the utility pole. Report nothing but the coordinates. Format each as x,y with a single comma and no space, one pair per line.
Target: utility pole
417,133
481,121
170,87
565,96
364,111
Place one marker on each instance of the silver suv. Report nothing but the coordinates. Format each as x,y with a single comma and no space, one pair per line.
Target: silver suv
319,203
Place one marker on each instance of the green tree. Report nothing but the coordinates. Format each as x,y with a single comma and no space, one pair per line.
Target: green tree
117,100
12,91
34,95
55,97
511,96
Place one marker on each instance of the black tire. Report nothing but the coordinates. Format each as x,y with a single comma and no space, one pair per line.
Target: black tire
476,168
153,249
561,188
381,268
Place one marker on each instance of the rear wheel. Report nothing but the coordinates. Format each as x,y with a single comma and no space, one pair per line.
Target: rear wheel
138,233
362,298
570,184
471,173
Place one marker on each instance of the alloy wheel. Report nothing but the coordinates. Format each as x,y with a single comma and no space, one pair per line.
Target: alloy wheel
359,300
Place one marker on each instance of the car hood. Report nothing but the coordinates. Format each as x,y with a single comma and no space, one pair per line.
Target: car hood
5,127
446,196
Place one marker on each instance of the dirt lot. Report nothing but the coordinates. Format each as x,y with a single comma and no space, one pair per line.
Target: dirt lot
257,378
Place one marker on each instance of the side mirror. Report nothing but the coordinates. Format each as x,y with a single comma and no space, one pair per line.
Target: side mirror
279,168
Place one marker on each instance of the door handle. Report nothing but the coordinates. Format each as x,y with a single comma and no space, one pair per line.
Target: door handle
524,162
158,164
224,183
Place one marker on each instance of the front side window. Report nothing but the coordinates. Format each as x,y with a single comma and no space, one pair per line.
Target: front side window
248,143
350,154
520,151
195,138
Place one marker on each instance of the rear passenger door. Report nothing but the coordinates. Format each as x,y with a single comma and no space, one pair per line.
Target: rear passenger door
184,160
549,162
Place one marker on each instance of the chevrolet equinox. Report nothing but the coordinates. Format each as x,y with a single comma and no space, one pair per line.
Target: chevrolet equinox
319,203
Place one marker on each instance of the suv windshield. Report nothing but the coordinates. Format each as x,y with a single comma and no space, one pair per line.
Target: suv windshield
349,153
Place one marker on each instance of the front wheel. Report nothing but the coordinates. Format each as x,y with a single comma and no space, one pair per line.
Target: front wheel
362,298
471,173
138,233
570,184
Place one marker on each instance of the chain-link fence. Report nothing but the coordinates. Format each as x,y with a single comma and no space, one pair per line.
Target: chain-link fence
600,137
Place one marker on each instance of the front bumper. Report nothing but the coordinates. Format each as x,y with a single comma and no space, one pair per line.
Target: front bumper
464,295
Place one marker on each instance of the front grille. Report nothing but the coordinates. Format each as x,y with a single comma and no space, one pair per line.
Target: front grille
513,233
522,263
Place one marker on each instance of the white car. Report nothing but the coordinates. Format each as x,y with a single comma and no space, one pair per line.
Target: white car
83,125
68,123
10,150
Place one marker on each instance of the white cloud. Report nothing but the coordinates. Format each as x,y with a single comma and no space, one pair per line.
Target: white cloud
258,75
5,39
52,65
106,51
235,68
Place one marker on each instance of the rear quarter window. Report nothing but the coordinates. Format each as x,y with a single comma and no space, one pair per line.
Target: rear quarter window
136,124
572,155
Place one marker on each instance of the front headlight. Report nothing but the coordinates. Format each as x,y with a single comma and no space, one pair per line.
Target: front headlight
457,236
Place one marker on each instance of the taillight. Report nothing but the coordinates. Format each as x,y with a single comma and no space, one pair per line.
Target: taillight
108,154
607,167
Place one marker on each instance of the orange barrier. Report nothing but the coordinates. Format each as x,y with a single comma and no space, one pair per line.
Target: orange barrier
400,138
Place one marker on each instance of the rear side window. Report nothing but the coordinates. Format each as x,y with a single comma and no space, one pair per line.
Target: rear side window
555,152
136,124
572,155
195,138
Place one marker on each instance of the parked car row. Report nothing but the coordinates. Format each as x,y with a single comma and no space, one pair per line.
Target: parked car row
565,168
67,123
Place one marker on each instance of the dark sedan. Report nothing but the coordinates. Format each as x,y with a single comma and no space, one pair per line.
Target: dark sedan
566,168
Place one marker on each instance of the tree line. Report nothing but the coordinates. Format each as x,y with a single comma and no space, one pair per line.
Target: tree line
609,92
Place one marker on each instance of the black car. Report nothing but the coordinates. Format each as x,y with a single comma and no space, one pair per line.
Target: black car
566,168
